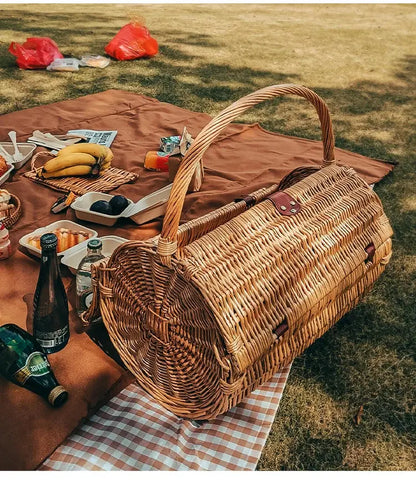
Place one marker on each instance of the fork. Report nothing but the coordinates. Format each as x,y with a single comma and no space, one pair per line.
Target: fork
17,156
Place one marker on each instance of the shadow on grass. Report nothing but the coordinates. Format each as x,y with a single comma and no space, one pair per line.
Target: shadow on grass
211,86
369,356
329,452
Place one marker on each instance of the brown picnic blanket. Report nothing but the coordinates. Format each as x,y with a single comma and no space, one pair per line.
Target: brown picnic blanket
243,159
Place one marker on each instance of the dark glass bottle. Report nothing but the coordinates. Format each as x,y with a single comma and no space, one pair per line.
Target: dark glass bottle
50,314
23,362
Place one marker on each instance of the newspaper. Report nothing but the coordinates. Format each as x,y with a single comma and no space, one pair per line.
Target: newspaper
102,137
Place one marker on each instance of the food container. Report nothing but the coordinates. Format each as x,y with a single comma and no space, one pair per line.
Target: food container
25,148
147,208
6,175
73,258
66,224
82,205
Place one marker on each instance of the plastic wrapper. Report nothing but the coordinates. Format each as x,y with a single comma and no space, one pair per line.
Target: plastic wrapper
64,65
132,41
176,144
96,61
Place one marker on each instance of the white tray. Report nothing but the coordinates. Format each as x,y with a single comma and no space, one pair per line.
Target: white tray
147,208
26,149
66,224
73,258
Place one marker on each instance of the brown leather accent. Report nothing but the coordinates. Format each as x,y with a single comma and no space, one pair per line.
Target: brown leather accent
280,329
249,200
371,250
284,203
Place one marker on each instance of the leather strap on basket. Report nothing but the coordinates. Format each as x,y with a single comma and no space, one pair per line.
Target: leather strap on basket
168,238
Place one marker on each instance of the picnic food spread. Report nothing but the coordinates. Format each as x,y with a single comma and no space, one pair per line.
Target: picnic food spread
88,366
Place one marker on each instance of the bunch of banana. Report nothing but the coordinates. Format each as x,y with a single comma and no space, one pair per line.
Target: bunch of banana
77,160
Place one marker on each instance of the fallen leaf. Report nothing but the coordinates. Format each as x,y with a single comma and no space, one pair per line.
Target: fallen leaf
358,416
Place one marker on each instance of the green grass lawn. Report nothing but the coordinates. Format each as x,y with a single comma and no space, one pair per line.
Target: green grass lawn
362,60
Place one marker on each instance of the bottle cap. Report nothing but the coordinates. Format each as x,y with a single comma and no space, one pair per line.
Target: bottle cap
57,396
48,241
95,244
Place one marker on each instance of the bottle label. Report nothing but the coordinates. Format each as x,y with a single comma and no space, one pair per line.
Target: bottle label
86,299
52,339
36,365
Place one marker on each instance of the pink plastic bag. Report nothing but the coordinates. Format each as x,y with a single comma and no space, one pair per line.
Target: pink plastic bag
36,52
132,41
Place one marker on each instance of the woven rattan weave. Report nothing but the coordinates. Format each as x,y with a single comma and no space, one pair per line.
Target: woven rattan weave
14,213
107,180
206,312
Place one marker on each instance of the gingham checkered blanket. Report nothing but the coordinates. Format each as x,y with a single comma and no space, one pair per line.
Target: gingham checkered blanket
132,432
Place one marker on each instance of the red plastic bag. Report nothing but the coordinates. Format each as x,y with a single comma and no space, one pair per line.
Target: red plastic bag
132,41
36,52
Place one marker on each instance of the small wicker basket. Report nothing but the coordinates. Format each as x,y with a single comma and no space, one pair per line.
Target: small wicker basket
14,213
209,310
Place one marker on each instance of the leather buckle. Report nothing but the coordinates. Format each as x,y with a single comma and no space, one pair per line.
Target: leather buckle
284,203
370,250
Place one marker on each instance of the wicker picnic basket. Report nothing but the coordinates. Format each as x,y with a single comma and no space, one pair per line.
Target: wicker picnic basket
209,310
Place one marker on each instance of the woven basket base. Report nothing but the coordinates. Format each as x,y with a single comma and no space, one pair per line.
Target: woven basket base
107,180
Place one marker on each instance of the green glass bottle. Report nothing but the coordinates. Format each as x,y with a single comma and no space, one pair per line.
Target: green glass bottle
23,362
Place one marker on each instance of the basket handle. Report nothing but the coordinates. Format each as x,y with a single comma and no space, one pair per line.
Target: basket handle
167,244
37,156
